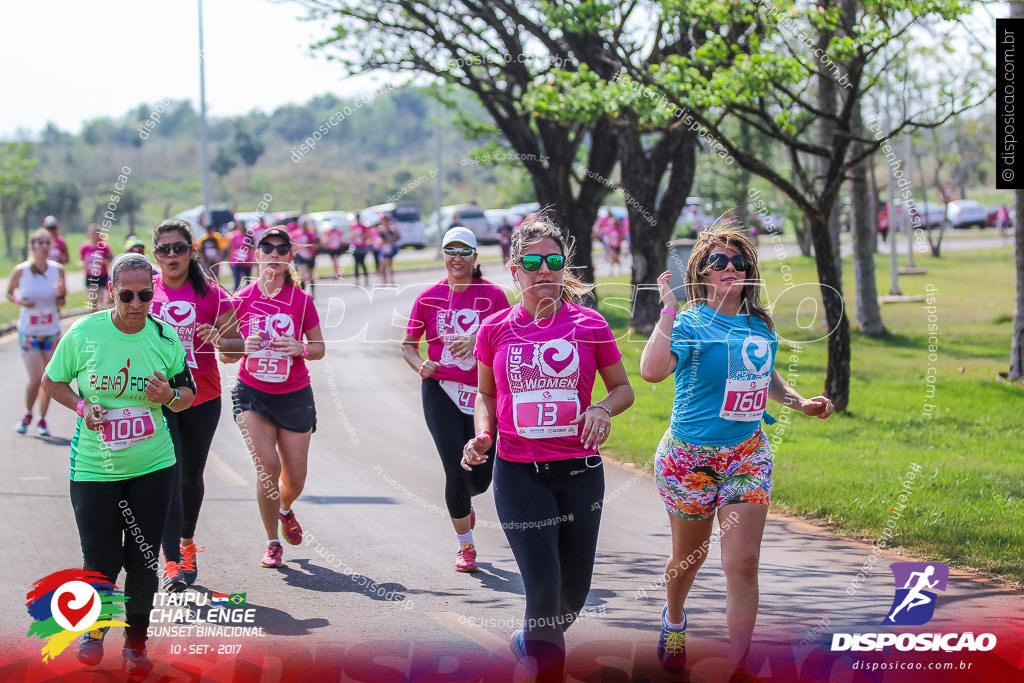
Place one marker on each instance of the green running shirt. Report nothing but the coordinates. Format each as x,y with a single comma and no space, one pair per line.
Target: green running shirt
111,368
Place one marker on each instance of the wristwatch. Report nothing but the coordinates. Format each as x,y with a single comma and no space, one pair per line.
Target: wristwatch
175,399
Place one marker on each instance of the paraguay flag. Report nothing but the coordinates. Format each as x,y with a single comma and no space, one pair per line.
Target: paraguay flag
219,598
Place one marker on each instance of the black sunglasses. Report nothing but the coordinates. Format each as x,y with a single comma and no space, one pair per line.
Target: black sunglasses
464,252
127,296
532,262
165,248
721,262
282,249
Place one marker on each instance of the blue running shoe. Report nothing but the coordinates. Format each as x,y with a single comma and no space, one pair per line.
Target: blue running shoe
90,647
672,644
517,643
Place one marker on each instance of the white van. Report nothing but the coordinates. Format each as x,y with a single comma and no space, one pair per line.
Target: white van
408,218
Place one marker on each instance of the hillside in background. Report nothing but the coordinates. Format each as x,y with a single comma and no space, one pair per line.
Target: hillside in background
379,148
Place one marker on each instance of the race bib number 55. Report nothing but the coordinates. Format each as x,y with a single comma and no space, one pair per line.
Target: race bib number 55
268,366
128,426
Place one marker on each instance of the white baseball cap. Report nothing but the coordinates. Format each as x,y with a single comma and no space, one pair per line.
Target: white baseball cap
459,234
50,222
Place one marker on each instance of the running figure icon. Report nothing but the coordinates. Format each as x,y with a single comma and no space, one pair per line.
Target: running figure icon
915,598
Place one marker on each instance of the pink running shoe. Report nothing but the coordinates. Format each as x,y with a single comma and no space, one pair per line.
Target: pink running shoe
272,558
290,528
466,559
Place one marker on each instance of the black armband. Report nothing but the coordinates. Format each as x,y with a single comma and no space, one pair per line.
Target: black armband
183,379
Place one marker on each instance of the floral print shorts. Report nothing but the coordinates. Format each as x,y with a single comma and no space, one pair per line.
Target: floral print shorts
695,481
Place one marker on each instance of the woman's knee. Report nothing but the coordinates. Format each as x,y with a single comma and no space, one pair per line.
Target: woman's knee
741,566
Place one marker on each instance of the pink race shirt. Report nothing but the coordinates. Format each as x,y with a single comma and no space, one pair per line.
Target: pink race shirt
241,247
292,313
359,235
544,373
184,310
95,258
306,241
335,238
442,315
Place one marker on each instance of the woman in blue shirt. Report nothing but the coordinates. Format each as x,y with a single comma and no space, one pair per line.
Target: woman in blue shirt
714,458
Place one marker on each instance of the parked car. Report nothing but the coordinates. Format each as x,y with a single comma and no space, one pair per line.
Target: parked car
932,215
470,216
965,213
495,216
693,217
283,217
219,217
408,218
322,221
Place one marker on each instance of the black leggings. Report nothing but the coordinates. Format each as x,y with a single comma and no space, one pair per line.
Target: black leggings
359,256
551,527
119,525
451,429
241,272
192,433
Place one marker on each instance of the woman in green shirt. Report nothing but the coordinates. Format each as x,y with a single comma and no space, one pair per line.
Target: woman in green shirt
126,365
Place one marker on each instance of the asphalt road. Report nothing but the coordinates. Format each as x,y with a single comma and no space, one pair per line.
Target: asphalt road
373,588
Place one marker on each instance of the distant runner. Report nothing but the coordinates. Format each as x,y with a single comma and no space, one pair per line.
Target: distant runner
40,288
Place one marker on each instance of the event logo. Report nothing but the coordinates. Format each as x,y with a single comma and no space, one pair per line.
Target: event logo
465,321
759,363
558,358
280,325
68,603
914,603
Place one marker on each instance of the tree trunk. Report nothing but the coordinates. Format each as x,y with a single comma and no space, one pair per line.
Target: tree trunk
1017,343
837,374
8,219
804,239
869,313
651,228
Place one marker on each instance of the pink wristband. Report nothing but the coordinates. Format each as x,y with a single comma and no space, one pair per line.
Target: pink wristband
78,408
670,311
484,432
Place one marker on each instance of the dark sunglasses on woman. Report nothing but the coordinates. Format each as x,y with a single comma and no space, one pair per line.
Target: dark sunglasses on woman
721,262
464,252
165,249
127,296
532,262
282,249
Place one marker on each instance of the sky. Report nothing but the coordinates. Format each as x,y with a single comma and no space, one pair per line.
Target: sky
69,61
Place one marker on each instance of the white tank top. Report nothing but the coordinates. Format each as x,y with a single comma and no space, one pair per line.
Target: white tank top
43,318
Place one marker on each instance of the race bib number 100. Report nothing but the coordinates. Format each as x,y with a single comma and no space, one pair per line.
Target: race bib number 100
545,413
128,426
745,399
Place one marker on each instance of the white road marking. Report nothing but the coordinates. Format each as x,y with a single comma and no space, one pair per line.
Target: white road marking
224,471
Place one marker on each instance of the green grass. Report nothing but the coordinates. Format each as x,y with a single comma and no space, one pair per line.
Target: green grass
967,506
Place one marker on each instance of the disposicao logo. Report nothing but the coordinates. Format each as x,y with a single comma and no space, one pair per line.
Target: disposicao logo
914,605
68,603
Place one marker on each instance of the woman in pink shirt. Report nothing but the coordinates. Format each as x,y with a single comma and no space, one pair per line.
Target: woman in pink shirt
537,365
273,400
448,314
196,307
240,246
306,241
361,239
96,257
